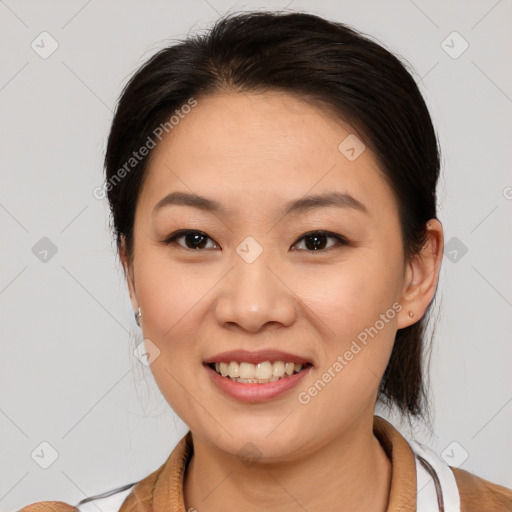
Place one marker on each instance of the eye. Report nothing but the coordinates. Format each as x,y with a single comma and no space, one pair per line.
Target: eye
191,239
318,241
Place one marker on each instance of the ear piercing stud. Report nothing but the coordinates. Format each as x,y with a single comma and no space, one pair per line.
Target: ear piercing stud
138,314
411,314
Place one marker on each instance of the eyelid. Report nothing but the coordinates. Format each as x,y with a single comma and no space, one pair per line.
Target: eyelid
341,240
182,232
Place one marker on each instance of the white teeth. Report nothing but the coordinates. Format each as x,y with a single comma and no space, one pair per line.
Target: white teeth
278,369
263,370
224,369
234,369
247,371
257,373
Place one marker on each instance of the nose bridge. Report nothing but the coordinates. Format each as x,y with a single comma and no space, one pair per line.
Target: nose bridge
253,280
252,295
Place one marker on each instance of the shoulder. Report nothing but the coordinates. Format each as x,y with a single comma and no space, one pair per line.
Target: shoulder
110,502
49,506
478,494
458,489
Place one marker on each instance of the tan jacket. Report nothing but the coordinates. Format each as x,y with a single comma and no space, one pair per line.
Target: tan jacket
162,490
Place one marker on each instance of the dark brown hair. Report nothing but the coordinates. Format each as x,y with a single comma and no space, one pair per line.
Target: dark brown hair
327,63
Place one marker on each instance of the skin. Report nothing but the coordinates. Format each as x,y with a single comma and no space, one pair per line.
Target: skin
253,153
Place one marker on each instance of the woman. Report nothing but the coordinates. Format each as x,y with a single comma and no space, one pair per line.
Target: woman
273,194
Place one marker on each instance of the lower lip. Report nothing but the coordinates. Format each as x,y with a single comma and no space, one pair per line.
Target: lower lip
254,393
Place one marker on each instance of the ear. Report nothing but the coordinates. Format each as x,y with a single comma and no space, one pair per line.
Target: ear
421,276
128,273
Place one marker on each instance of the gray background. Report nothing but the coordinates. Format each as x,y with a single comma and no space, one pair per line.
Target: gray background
67,372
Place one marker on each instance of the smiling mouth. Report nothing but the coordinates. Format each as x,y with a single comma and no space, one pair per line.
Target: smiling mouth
260,373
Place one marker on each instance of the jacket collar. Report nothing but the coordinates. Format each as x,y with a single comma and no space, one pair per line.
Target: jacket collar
163,489
402,496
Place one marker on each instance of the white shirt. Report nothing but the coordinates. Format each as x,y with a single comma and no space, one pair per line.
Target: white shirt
110,504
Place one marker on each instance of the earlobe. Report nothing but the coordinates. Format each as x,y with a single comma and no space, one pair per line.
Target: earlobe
422,275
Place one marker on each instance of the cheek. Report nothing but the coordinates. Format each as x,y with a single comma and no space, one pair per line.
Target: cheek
355,308
349,297
355,311
172,301
170,296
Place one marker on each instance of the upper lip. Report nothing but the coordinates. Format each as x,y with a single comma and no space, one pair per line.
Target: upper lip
256,357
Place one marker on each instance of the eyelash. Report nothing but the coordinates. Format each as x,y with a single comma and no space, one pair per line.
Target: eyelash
340,240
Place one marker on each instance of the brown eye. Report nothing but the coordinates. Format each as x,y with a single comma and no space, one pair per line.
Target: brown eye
318,241
192,240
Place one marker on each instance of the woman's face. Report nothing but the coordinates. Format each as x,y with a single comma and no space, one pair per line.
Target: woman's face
269,169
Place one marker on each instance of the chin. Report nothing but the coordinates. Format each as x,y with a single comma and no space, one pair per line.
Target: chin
257,442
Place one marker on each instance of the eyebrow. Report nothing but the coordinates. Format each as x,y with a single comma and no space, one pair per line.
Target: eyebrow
305,203
331,199
188,199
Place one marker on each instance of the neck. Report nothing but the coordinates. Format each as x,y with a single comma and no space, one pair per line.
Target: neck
348,473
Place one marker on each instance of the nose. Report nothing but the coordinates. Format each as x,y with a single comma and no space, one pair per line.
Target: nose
253,296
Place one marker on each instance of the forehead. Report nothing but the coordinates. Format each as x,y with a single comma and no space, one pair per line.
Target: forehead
263,147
